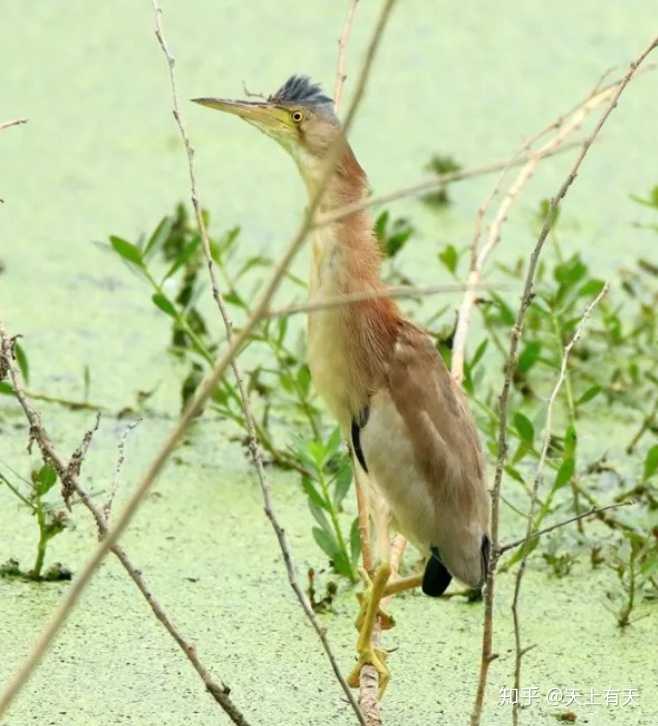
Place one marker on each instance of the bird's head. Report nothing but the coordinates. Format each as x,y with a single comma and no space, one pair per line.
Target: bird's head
299,116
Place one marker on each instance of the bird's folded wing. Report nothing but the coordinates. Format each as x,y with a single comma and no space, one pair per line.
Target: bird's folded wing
437,417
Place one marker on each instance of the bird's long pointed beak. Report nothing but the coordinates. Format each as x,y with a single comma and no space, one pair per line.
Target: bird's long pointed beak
260,113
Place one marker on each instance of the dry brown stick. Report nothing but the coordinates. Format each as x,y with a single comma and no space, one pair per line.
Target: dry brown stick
593,512
399,291
69,476
201,395
416,190
564,126
648,422
510,367
548,431
343,40
253,445
15,122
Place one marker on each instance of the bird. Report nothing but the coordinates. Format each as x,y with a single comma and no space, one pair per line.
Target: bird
406,420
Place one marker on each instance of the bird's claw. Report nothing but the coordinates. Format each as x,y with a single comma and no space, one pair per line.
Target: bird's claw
376,658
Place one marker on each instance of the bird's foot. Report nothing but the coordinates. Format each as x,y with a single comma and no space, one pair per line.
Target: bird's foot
376,658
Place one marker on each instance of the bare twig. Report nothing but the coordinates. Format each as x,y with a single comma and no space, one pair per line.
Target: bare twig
121,458
253,445
341,74
69,473
202,393
399,291
529,536
510,367
15,122
564,126
420,188
593,512
648,423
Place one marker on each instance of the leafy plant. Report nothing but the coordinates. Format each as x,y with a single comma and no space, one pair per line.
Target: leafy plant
50,522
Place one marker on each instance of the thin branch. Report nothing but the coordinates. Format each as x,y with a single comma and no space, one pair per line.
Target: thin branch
548,431
68,474
202,393
420,188
121,458
510,367
253,445
399,291
15,122
593,512
341,73
648,422
564,127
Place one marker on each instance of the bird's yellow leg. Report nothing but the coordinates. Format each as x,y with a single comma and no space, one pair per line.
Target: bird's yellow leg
366,622
404,583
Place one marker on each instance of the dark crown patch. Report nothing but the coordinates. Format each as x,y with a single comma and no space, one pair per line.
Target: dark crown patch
300,89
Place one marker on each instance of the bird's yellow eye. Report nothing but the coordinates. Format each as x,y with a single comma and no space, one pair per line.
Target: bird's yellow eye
297,116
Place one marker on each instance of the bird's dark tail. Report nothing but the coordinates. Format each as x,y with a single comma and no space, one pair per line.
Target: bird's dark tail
436,578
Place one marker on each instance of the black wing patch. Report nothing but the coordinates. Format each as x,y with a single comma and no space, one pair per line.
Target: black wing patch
359,422
436,578
486,555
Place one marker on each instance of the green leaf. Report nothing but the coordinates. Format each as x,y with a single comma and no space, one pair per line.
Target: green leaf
570,441
449,257
514,473
651,462
334,442
317,452
21,359
524,549
45,479
506,314
342,483
380,225
546,213
589,394
304,380
164,303
128,251
650,201
529,356
184,255
342,564
6,389
232,298
326,542
319,516
479,352
524,428
591,288
159,235
313,494
570,272
355,541
564,473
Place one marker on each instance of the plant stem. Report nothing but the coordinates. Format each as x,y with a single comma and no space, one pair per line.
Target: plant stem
35,573
336,524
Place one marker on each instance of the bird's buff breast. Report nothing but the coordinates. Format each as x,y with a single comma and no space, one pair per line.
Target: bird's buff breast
327,361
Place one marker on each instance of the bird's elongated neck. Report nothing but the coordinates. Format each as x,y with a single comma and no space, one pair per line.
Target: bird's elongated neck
348,345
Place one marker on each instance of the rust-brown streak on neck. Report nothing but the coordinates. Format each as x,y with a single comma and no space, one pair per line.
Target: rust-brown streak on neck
349,346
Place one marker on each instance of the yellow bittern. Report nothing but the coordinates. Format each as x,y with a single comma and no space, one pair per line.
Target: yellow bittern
412,436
